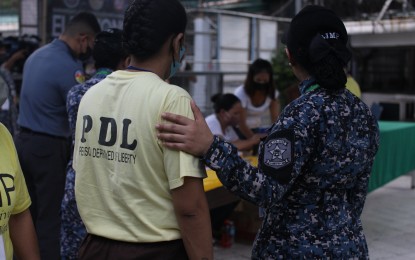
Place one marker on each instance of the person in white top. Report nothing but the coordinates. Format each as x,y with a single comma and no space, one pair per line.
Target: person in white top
228,111
258,96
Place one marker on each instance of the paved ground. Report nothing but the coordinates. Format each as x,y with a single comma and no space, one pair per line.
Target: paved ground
388,220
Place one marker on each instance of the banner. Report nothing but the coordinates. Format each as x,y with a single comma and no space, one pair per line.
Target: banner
110,13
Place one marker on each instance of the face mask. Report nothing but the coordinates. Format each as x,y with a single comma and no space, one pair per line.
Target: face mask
85,55
261,86
176,64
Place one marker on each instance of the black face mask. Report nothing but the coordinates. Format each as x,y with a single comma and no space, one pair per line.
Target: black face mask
261,86
85,55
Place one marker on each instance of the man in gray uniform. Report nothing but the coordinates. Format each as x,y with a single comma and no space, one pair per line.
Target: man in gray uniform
43,142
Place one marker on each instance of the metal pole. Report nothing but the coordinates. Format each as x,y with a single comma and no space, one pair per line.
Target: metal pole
384,9
20,17
298,6
44,19
254,47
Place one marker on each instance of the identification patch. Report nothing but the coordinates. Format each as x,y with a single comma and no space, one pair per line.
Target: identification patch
79,76
277,154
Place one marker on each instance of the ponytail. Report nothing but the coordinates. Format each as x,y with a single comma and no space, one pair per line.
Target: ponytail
328,57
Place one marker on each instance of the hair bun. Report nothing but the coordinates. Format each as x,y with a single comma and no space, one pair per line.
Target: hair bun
321,46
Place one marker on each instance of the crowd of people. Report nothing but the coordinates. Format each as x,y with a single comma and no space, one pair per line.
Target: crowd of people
108,166
13,54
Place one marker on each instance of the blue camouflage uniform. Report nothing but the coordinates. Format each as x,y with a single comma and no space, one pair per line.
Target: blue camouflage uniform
312,176
73,230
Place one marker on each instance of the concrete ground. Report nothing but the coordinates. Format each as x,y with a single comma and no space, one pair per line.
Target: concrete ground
388,221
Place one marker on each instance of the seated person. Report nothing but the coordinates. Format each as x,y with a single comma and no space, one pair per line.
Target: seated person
258,97
228,110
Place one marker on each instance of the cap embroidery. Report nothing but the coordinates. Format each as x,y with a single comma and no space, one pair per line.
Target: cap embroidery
330,35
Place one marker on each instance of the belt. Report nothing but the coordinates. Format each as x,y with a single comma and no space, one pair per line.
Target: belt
30,131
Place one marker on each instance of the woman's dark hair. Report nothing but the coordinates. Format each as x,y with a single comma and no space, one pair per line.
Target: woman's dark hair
224,101
258,66
317,40
149,23
325,60
108,51
329,73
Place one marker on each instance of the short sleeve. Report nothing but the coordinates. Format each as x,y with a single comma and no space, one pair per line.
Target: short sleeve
180,164
243,97
22,195
20,200
214,125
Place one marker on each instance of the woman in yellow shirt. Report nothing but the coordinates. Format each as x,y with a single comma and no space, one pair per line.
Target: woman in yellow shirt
16,227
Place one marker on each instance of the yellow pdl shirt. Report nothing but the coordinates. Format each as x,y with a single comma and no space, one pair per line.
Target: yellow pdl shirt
124,175
353,86
14,197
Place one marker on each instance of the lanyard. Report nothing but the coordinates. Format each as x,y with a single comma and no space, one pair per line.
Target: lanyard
103,72
137,68
312,87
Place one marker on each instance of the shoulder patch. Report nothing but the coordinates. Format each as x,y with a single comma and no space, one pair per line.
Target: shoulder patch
79,76
277,154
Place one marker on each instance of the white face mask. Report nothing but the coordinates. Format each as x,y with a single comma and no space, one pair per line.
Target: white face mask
4,91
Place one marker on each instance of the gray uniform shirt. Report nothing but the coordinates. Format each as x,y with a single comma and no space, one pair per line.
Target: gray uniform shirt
48,75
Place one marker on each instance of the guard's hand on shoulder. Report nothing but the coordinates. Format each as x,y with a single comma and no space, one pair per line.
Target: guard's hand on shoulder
184,134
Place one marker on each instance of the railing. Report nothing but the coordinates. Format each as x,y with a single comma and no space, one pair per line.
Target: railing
399,107
202,85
